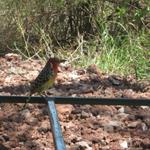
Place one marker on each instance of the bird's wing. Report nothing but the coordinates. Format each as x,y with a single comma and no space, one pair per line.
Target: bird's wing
42,78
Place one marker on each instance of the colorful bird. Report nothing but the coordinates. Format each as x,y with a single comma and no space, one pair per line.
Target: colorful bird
46,77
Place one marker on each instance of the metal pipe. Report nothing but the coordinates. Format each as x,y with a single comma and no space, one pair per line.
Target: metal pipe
77,100
56,129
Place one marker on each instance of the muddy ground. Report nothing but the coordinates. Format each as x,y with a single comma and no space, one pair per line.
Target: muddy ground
84,127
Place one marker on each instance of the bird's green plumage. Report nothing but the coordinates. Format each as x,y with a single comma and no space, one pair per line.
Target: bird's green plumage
44,80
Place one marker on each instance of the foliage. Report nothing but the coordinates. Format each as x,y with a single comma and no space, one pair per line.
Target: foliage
113,33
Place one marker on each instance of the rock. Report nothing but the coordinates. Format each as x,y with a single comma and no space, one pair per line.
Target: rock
133,124
2,139
93,69
73,75
32,121
45,111
95,138
84,115
114,80
115,146
76,111
2,147
28,117
109,128
145,107
144,127
131,117
65,109
128,93
81,71
83,145
121,110
6,137
44,127
26,113
13,56
111,125
124,144
75,139
121,116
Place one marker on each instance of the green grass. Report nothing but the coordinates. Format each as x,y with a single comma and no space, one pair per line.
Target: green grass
129,58
119,44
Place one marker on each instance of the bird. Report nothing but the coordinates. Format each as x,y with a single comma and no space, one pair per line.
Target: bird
46,77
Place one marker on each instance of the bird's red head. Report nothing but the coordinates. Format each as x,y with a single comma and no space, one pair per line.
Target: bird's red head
55,62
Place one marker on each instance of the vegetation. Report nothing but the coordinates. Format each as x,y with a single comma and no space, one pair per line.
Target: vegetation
114,34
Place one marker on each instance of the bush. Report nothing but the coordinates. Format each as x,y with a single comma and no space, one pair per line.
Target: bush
113,33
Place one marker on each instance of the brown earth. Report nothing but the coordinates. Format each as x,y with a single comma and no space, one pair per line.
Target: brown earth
84,127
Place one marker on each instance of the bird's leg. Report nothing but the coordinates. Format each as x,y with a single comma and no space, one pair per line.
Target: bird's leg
27,100
44,95
29,97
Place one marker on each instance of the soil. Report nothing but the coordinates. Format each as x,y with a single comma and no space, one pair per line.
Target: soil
84,127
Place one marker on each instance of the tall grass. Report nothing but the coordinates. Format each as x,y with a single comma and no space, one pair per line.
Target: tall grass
131,57
114,35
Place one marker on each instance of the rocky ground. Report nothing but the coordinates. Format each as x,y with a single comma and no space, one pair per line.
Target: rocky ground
84,127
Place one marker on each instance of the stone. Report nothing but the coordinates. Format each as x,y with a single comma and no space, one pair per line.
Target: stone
124,144
84,145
